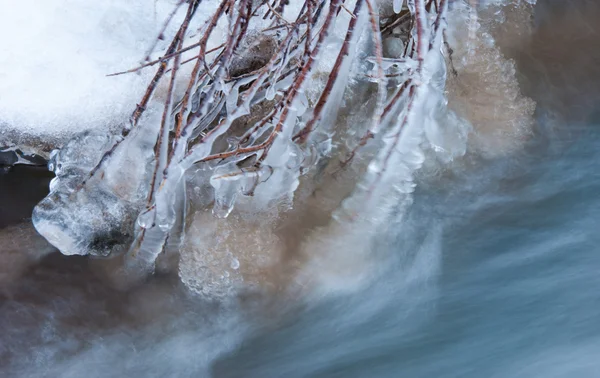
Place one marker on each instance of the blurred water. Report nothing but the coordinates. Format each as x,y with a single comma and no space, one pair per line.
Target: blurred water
514,295
494,271
513,246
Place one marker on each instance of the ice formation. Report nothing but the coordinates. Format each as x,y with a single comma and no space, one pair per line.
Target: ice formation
484,87
275,160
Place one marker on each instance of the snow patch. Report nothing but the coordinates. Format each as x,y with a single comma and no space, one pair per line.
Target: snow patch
54,65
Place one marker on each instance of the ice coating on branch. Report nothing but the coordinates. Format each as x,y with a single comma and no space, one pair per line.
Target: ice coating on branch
202,270
397,4
276,162
390,173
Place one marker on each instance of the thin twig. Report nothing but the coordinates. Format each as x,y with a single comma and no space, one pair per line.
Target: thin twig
142,105
348,11
162,30
379,112
279,16
420,19
301,136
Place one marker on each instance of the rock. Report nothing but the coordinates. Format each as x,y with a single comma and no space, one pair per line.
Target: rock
96,218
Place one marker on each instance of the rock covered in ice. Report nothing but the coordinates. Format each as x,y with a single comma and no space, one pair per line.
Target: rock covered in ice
14,155
21,148
98,218
94,222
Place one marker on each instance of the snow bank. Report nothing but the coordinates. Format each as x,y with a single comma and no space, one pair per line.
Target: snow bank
55,57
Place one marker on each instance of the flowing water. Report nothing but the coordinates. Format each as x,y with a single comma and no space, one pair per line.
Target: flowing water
494,270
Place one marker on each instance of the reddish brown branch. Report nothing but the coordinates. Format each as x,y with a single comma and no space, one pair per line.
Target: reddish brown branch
379,112
301,136
162,30
166,58
420,18
149,91
291,95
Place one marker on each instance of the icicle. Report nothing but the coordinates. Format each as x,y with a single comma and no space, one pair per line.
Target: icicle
147,217
397,5
227,184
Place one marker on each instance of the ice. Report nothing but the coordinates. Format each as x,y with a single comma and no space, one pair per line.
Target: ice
97,220
227,184
226,255
146,218
398,5
501,116
274,156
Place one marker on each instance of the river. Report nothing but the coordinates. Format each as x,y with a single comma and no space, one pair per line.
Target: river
492,274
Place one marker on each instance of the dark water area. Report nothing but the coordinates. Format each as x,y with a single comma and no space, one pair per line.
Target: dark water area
493,274
21,188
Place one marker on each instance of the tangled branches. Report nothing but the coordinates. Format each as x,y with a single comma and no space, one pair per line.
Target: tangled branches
227,86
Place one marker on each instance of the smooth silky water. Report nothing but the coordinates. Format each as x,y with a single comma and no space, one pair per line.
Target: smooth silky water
493,271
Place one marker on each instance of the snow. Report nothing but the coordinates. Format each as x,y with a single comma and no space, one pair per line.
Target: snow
54,65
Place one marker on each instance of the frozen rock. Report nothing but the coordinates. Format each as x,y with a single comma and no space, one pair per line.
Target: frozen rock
94,222
98,217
